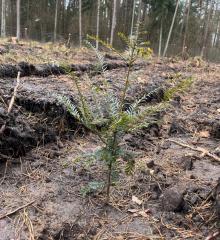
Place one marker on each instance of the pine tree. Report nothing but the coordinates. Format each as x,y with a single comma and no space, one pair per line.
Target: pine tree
97,23
113,22
18,19
186,28
171,28
55,21
80,23
3,27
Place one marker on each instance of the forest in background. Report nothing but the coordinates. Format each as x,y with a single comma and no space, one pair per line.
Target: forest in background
195,27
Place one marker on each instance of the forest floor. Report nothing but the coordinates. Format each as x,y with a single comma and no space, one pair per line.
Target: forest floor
48,191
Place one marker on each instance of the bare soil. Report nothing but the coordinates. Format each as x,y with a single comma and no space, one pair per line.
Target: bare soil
174,192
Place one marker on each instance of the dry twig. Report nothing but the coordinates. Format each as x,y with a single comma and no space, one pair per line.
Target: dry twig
16,210
213,236
10,106
204,151
14,93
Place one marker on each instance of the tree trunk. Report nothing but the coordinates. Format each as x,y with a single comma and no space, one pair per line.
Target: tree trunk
97,24
215,41
63,17
171,29
18,20
3,27
186,28
139,18
144,13
218,39
132,21
126,12
55,22
80,23
184,19
206,30
161,36
217,27
113,22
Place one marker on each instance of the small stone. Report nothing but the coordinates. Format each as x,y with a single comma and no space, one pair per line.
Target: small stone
48,180
177,128
172,200
188,165
150,164
192,176
93,231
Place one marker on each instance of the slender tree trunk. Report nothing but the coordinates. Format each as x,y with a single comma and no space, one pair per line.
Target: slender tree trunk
139,18
171,29
186,28
218,39
184,19
217,23
113,22
63,16
160,40
3,27
28,15
215,41
132,21
97,24
18,20
80,23
11,11
144,13
206,29
55,22
126,12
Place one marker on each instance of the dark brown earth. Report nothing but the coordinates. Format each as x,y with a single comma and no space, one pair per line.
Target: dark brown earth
174,192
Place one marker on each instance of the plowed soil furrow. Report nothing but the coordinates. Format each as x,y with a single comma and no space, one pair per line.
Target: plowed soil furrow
177,186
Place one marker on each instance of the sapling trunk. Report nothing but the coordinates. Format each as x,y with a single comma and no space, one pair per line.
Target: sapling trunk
109,181
112,148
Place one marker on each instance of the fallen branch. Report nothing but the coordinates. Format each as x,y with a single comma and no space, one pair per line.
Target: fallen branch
204,151
16,210
213,236
14,93
5,157
10,106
